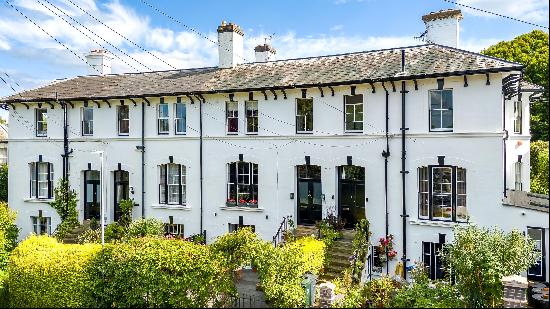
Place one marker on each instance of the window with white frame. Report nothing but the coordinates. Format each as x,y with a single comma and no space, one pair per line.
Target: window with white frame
41,178
174,229
517,117
353,106
431,258
41,122
304,115
251,117
232,117
180,118
42,225
517,171
442,193
242,184
172,184
441,110
87,121
123,117
163,118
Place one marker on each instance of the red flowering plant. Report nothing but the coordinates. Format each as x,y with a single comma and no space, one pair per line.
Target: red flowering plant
386,247
253,201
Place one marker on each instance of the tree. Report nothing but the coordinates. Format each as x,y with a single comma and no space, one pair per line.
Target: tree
531,50
479,258
539,167
65,202
3,183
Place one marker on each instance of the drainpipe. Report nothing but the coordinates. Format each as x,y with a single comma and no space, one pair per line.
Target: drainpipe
200,166
404,172
142,159
386,154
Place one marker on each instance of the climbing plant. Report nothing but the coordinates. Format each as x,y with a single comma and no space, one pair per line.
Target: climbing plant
360,246
64,203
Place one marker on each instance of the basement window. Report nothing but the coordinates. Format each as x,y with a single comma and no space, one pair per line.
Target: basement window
441,110
123,116
304,115
41,122
173,229
431,258
236,227
251,117
442,193
41,178
353,107
42,225
232,117
163,119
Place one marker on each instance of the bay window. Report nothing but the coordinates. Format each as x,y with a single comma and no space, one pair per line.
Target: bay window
304,115
442,193
41,178
353,107
242,184
441,110
172,184
251,117
163,119
41,122
232,117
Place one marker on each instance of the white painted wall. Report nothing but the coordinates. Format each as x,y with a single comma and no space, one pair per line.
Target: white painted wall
476,144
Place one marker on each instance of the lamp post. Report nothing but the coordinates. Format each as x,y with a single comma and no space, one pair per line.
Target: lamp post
102,209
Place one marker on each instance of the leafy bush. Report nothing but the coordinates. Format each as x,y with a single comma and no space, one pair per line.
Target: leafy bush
3,183
150,227
376,293
3,289
479,258
539,167
114,232
126,207
92,236
360,245
237,248
423,294
8,233
281,269
45,273
148,272
328,233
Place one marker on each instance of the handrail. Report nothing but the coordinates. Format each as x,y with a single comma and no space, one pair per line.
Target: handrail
283,227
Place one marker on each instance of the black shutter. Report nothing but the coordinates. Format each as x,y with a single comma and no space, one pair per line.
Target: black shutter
166,184
453,199
430,192
179,187
36,179
50,181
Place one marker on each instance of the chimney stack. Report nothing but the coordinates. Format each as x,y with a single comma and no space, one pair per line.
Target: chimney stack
99,62
265,53
442,27
230,45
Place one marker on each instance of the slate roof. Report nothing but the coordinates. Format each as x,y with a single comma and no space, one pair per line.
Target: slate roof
423,61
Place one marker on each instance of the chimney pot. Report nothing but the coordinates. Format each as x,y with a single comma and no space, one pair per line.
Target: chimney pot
442,27
99,62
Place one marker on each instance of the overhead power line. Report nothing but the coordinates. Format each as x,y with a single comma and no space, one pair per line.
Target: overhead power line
496,14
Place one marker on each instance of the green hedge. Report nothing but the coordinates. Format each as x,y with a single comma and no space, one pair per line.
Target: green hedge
281,269
160,273
45,273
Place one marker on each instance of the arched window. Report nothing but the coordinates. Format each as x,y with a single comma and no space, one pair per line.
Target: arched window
442,193
172,183
242,184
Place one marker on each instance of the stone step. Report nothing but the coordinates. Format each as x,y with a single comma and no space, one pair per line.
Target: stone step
338,263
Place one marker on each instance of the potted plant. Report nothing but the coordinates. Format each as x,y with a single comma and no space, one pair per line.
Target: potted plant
231,202
253,203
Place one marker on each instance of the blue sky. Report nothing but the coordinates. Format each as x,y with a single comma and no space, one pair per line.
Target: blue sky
301,28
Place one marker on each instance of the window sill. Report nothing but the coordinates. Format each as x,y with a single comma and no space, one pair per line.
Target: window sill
237,208
427,222
441,131
353,132
304,132
38,200
251,133
168,206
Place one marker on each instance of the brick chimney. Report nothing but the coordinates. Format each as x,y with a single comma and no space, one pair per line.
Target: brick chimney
230,45
99,62
264,53
442,27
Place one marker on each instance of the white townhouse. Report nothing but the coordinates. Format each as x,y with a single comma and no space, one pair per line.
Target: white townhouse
416,139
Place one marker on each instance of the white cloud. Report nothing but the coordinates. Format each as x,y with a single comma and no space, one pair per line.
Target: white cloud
336,28
528,10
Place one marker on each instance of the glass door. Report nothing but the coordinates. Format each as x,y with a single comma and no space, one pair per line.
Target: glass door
309,194
122,191
92,195
351,194
537,271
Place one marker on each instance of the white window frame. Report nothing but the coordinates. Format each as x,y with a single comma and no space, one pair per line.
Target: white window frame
354,114
39,179
37,226
422,194
518,171
449,194
90,126
240,184
305,131
254,117
231,114
169,181
174,229
163,118
120,120
518,116
441,110
43,122
178,119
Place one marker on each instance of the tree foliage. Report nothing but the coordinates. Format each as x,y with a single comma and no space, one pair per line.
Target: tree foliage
65,202
479,258
3,183
531,50
539,167
8,233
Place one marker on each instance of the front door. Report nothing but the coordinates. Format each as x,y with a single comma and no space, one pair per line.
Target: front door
92,195
122,191
537,271
309,194
351,194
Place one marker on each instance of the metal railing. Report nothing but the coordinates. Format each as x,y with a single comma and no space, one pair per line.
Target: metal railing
283,227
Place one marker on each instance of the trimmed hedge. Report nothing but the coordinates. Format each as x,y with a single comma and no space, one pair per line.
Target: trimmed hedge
281,269
45,273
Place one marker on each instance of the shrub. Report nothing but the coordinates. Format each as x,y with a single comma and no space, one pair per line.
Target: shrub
90,236
360,245
45,273
65,203
150,227
376,293
281,269
3,183
114,232
3,289
126,207
8,233
328,232
422,293
479,258
539,167
237,248
157,272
